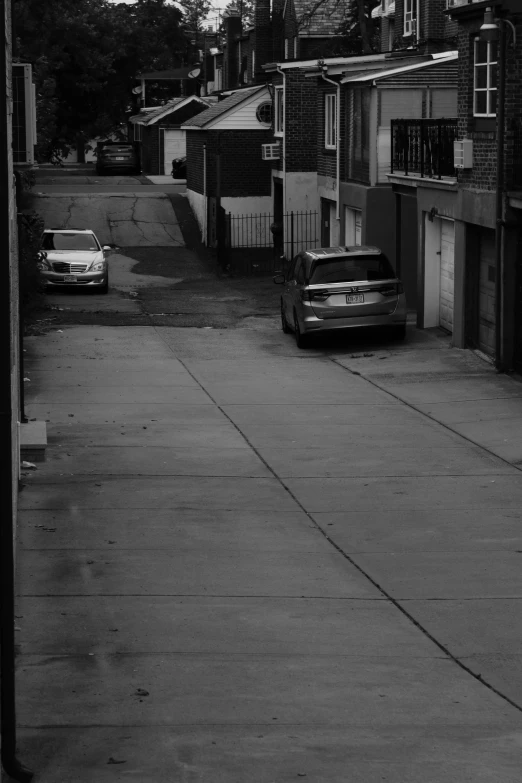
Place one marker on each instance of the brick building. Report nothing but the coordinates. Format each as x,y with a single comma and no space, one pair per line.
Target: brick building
158,133
469,221
224,163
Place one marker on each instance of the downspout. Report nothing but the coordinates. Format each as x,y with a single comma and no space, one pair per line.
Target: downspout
284,145
8,312
338,144
499,203
205,210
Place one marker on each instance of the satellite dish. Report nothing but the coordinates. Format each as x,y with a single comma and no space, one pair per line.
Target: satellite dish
194,73
136,90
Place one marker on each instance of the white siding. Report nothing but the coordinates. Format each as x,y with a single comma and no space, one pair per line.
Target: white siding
243,117
443,103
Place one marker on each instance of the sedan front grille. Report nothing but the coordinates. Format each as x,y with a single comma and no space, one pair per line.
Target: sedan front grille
65,268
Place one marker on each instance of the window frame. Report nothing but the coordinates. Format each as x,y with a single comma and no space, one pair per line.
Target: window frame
279,111
410,18
330,121
489,64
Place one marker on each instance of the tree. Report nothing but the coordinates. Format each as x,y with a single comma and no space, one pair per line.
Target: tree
86,56
358,33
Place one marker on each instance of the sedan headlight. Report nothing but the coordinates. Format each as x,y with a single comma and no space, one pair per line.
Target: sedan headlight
98,265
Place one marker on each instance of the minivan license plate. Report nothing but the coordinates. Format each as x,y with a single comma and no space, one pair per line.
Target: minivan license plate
354,298
70,279
119,158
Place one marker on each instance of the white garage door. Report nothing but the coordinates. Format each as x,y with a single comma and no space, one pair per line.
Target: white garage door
447,266
175,146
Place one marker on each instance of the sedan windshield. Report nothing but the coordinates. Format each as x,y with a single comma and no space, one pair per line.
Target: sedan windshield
349,269
57,241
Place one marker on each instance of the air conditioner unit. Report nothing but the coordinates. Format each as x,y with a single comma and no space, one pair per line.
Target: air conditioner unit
270,151
463,154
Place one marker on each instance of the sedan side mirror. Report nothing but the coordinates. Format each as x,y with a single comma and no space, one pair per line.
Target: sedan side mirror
279,278
106,247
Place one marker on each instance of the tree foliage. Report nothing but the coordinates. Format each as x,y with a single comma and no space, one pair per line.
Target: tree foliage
86,56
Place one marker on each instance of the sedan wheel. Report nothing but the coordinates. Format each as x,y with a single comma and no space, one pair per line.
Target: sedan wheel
301,339
284,323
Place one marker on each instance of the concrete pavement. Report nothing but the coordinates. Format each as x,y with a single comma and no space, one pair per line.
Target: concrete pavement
244,562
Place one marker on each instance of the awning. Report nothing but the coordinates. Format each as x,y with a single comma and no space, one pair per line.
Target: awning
377,11
390,10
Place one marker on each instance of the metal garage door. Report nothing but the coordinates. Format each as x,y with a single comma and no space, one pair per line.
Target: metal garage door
447,265
486,330
175,146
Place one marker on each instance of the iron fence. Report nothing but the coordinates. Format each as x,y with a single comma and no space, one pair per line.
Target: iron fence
423,147
292,233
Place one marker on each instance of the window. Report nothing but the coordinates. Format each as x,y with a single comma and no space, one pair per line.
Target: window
253,65
410,16
287,43
350,269
218,81
485,81
279,123
330,121
295,48
264,113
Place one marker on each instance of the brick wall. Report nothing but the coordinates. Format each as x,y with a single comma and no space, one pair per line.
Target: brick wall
301,122
243,171
151,160
483,174
195,160
437,32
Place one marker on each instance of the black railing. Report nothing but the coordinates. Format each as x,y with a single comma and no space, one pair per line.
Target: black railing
423,147
295,231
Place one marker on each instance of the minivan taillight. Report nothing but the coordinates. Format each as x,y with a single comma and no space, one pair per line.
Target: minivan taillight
319,296
391,290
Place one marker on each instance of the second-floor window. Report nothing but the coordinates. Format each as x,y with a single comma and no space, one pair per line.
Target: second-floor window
410,16
485,79
279,114
330,121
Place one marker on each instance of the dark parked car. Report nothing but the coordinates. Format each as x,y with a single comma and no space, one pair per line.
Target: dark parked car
115,156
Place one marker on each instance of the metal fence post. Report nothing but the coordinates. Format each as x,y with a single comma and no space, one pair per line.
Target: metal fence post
291,235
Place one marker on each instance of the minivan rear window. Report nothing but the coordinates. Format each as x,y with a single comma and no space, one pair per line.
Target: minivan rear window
349,269
122,148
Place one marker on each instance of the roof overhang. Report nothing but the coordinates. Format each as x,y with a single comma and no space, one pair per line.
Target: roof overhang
373,77
330,62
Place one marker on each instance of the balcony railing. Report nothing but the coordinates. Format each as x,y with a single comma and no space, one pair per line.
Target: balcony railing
423,147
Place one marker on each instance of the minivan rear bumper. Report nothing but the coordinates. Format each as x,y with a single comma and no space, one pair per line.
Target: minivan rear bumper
313,324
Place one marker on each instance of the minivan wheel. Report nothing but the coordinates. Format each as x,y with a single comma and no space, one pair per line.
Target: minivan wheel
301,339
284,323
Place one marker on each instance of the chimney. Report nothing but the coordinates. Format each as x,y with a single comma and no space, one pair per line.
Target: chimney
278,31
263,38
232,24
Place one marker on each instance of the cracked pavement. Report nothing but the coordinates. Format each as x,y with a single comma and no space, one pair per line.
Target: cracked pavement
246,563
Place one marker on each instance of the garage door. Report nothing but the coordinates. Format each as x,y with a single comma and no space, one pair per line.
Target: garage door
175,146
486,330
447,266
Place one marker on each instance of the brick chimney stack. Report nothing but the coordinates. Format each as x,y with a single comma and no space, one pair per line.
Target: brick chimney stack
232,24
263,38
278,45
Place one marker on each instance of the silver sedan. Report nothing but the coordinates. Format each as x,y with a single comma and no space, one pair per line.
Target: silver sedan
334,288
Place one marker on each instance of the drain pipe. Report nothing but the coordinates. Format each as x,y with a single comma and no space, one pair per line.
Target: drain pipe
8,411
205,204
338,145
278,69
